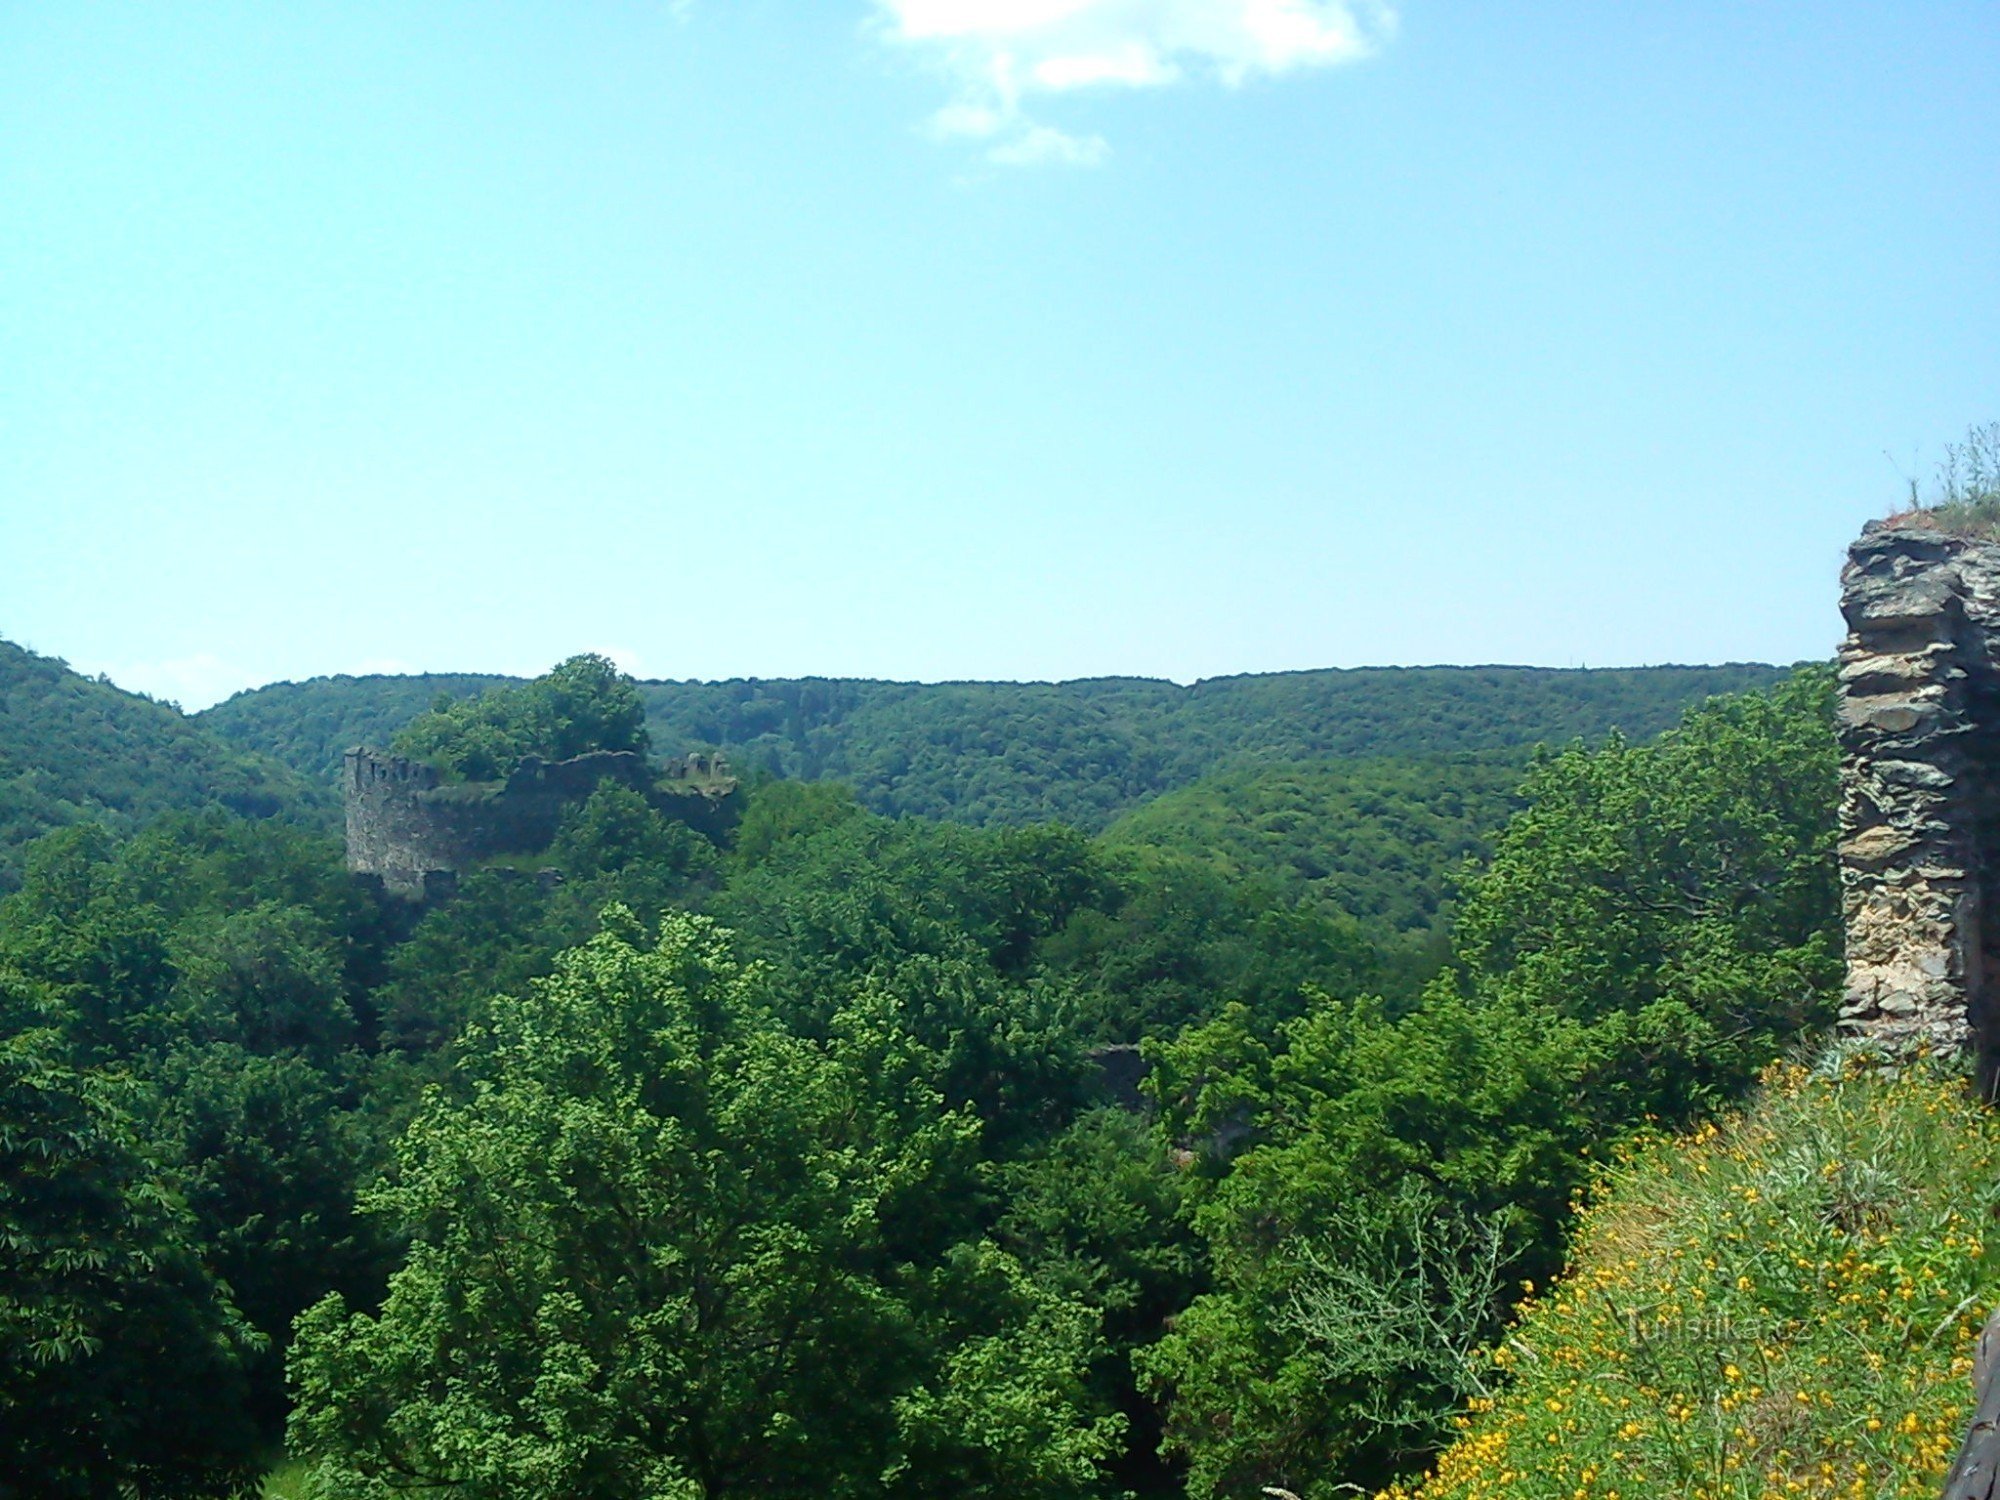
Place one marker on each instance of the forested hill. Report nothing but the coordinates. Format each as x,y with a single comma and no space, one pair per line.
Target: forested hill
75,748
1381,840
1077,752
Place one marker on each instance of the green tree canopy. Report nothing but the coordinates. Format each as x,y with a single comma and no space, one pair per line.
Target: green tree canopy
666,1248
1656,924
122,1358
582,704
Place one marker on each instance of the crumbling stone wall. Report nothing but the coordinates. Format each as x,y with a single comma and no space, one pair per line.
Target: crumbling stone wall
1920,808
414,833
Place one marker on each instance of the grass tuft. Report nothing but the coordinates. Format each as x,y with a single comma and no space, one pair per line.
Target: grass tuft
1967,501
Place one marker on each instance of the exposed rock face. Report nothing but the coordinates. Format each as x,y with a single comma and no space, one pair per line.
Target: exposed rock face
1920,805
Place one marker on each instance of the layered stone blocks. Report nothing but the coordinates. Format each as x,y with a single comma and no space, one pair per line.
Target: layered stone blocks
1919,722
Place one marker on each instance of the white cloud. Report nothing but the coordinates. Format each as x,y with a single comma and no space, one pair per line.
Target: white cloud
1036,144
1001,54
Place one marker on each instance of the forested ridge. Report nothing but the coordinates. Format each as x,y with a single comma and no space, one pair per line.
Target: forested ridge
73,748
1074,752
786,1162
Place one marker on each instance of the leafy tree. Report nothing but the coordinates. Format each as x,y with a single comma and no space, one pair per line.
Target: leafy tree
1169,939
504,927
1655,925
615,829
1377,840
1396,1303
1682,897
268,979
667,1248
226,1016
1098,1211
780,811
268,1153
939,925
77,926
121,1356
582,704
1331,1118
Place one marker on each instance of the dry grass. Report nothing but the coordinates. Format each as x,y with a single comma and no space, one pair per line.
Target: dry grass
1966,500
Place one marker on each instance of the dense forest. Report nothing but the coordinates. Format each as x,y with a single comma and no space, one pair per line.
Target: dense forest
803,1160
75,749
1078,753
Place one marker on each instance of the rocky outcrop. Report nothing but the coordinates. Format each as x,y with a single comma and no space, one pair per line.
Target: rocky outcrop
1920,734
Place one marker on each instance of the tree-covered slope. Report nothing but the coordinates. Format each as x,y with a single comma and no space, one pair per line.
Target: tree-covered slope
1079,752
74,748
310,725
1377,839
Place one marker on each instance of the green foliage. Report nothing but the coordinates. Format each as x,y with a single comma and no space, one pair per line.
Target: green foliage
505,926
1481,1103
121,1356
1170,939
311,725
267,979
1656,924
939,925
1683,893
172,961
1078,752
582,704
1396,1303
74,749
830,904
668,1248
1098,1212
1782,1304
828,1209
1379,840
780,811
268,1150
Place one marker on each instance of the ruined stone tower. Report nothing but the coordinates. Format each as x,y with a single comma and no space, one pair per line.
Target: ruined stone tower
1920,807
415,833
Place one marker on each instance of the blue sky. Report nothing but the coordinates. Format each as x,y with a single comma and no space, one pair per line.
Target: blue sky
961,338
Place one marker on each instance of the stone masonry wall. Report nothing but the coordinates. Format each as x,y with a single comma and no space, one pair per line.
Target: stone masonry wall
1919,721
408,830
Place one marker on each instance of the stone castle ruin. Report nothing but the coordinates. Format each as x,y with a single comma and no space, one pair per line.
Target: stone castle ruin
415,832
1919,723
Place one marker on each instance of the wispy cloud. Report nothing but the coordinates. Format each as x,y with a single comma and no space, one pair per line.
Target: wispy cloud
1001,55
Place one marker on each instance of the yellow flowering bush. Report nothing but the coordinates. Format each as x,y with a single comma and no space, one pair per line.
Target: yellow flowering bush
1781,1304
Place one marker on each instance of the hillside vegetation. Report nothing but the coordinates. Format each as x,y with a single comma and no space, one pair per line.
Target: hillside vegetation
1784,1302
1378,839
1074,752
74,749
783,1160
